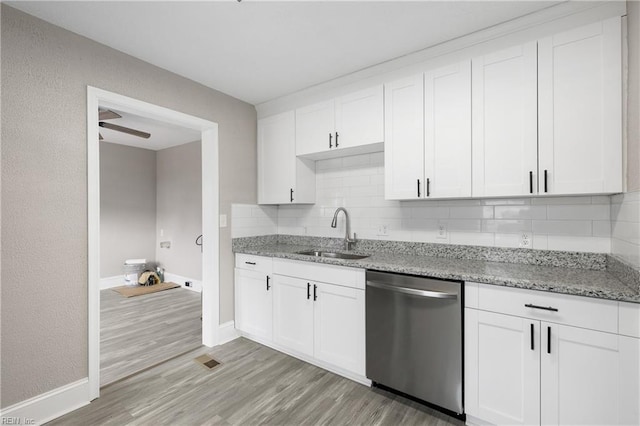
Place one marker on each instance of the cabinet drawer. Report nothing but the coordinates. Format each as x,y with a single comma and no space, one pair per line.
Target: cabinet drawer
254,263
595,314
332,274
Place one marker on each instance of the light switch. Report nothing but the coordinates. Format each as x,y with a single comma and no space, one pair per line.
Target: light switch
223,221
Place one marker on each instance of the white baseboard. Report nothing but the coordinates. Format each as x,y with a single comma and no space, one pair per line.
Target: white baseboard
111,282
49,405
180,279
227,332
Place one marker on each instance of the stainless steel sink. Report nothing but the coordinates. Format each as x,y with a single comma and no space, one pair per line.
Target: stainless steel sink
331,254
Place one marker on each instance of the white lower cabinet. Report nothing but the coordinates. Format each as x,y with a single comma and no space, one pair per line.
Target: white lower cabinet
293,314
254,310
315,312
540,369
339,327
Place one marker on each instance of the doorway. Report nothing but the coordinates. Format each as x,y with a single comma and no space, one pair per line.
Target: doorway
210,209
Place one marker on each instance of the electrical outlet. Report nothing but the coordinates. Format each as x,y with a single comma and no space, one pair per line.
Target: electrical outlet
525,241
188,283
383,230
442,232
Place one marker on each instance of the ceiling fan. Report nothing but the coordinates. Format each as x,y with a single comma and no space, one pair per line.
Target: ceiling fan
107,114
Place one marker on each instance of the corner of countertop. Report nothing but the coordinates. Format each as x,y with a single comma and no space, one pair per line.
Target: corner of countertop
626,273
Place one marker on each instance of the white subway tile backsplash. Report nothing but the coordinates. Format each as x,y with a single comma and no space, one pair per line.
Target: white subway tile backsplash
540,242
579,212
521,212
463,224
472,238
506,226
507,240
583,223
591,244
562,227
471,212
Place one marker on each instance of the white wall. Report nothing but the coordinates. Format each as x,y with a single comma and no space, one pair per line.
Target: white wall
127,206
179,209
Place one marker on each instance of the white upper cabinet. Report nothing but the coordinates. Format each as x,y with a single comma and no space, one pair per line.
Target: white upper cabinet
580,141
505,122
282,178
348,125
404,138
428,135
360,118
315,128
447,124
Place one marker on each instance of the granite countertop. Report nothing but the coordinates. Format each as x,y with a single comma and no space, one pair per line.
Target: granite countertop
582,282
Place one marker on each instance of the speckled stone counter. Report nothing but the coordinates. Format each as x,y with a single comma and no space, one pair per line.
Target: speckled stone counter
582,274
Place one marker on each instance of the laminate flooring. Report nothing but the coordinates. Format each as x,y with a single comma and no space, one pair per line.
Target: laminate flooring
253,385
141,331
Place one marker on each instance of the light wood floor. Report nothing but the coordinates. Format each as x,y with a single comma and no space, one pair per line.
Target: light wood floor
253,385
141,331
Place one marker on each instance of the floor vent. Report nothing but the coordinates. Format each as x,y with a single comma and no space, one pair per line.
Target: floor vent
206,361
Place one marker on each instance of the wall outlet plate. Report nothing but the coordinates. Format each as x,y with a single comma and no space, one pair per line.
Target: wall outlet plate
525,240
442,231
383,230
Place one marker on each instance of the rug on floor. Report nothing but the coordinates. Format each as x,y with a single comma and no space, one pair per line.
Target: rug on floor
139,290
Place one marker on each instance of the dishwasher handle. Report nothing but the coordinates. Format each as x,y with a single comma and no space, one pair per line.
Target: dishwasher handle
413,291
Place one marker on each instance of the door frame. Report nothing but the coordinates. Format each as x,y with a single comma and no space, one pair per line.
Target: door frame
210,213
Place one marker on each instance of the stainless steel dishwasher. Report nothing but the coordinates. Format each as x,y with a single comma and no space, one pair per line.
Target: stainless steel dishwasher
414,337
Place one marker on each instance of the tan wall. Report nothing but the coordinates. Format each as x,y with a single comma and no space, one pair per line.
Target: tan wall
633,100
45,73
127,206
179,209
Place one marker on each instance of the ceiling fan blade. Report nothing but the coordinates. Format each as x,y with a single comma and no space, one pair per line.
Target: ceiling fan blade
107,114
100,136
126,130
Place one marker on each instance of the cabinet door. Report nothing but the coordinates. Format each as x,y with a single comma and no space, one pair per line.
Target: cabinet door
404,139
315,126
504,129
502,368
447,123
360,118
580,110
339,327
254,303
581,375
293,314
276,158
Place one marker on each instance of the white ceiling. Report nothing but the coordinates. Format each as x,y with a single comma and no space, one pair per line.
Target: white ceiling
163,135
260,50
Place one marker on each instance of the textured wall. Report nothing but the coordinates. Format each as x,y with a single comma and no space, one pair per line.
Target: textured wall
127,206
45,73
179,209
633,100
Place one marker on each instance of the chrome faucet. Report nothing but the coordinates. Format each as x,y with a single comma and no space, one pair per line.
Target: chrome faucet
348,242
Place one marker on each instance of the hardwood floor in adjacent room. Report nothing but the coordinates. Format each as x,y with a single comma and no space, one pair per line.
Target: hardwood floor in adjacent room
139,332
253,385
